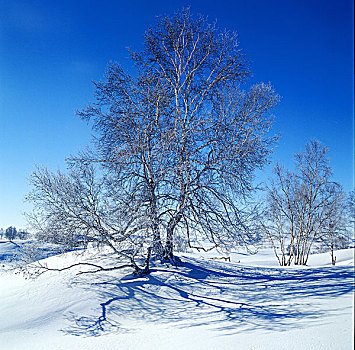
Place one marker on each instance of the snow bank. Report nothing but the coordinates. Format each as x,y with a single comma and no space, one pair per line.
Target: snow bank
203,304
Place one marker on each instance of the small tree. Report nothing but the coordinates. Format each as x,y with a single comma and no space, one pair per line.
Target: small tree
11,233
23,234
304,206
335,233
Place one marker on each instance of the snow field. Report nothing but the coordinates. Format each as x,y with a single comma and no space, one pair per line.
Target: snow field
203,304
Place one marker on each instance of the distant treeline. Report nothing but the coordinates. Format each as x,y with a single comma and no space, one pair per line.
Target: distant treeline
12,233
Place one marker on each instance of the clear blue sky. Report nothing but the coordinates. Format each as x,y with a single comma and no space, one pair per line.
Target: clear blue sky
51,51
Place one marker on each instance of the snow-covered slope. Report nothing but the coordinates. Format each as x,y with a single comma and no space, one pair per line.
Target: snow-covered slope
11,251
248,303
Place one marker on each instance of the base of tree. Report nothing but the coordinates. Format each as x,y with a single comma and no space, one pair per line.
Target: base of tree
171,259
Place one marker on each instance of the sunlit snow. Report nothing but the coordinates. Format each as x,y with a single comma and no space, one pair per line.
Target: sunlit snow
248,303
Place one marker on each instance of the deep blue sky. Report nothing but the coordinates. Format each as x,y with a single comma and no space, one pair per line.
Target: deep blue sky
51,51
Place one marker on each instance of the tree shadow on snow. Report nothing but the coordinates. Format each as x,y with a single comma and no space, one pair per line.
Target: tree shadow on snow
229,298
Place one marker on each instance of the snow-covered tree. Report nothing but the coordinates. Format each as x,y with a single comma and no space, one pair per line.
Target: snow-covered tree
11,233
304,206
177,145
198,136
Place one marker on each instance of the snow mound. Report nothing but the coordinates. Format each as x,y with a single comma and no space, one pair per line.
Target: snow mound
202,304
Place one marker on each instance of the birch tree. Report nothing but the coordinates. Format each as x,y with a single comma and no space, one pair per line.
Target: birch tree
178,142
217,134
303,206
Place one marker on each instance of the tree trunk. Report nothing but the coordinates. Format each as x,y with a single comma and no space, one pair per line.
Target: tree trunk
157,245
169,245
334,258
145,270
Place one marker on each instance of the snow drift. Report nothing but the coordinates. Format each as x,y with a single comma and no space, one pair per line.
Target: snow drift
202,304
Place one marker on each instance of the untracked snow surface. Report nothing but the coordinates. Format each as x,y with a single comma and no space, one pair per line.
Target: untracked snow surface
248,303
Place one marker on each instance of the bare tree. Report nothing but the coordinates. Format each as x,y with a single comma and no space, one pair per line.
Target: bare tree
177,143
217,134
303,206
77,209
279,217
129,118
338,227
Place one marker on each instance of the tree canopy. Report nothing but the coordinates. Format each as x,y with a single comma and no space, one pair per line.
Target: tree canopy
176,146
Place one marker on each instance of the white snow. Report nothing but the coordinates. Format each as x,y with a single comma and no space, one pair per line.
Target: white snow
248,303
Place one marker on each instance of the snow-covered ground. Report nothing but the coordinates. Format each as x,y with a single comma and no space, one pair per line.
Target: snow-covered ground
11,251
248,303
